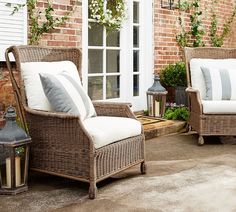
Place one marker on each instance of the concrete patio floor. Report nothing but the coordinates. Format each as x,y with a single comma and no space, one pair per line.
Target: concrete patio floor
49,193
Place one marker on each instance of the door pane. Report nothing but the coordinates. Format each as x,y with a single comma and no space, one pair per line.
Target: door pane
136,85
136,61
95,35
95,61
95,88
113,38
113,87
136,12
113,61
136,36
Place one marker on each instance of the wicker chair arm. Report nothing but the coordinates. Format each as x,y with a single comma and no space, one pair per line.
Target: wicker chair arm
114,109
58,121
195,103
50,113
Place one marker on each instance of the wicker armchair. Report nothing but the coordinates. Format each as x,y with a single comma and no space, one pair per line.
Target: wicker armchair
61,145
207,124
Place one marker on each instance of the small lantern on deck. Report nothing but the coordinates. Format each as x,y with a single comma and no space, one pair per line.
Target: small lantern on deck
156,98
169,4
14,156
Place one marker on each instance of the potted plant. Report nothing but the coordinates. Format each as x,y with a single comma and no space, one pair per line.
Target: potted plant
173,77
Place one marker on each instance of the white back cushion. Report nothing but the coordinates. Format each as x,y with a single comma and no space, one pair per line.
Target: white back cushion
33,87
196,74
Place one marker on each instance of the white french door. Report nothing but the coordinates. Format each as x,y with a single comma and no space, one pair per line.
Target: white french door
118,66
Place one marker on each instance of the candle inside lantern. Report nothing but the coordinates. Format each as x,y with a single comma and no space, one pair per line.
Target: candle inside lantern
17,171
8,172
157,108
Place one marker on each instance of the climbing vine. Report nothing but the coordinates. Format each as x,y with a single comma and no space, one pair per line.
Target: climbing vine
41,21
108,13
217,39
194,36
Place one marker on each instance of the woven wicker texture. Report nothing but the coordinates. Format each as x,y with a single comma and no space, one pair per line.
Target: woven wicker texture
61,145
213,124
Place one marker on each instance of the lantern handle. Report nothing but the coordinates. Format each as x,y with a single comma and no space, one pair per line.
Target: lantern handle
16,88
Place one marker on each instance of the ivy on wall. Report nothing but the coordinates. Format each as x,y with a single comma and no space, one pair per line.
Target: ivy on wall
217,39
194,36
41,21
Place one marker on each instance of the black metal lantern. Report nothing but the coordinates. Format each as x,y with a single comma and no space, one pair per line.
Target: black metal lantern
14,156
169,4
156,98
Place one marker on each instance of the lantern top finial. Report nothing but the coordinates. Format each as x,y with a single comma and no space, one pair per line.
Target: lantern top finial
11,113
156,87
11,133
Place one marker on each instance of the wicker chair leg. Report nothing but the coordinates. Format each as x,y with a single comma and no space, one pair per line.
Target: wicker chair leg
93,190
200,141
188,128
143,168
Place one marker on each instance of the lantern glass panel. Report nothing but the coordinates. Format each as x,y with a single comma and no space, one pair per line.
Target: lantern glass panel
5,167
150,104
20,163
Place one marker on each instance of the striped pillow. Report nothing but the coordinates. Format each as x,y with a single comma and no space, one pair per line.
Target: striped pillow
67,95
220,83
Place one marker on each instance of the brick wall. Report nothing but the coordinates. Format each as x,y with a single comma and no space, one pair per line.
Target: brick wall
166,49
69,35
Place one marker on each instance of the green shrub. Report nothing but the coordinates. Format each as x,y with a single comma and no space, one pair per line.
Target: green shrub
177,113
174,75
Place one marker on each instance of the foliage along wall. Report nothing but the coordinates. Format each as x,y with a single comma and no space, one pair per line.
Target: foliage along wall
166,27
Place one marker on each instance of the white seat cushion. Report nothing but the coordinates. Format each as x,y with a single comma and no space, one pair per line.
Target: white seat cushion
197,77
219,107
33,87
106,129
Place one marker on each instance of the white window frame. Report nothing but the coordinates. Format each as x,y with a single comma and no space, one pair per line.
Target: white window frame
105,74
126,65
24,25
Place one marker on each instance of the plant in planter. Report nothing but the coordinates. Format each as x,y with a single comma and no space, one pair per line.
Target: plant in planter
172,77
177,113
110,14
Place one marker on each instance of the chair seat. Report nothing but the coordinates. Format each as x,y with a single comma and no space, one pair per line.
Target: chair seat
106,129
219,107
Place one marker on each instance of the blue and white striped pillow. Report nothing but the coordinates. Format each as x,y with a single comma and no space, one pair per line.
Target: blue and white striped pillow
67,95
220,83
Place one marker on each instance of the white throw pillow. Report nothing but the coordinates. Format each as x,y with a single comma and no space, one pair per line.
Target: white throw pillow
66,95
196,74
33,87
